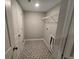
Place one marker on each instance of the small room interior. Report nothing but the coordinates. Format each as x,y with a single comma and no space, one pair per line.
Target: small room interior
36,22
35,26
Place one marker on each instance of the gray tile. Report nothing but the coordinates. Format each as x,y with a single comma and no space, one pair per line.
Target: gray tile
35,50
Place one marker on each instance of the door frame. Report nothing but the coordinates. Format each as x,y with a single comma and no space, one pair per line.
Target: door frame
65,15
69,45
9,51
9,22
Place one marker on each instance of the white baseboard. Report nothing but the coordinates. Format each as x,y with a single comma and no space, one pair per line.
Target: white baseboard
48,46
32,39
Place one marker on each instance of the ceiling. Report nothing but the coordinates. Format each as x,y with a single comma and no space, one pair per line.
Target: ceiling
45,5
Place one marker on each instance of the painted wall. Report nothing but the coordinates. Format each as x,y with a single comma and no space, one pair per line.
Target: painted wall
54,11
33,25
51,26
18,26
49,30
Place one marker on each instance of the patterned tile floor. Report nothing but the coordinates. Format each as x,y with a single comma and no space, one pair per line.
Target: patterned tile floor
35,50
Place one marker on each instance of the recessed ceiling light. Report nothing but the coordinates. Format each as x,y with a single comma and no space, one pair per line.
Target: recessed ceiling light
37,5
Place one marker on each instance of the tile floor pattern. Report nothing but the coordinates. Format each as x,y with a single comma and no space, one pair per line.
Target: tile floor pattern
35,50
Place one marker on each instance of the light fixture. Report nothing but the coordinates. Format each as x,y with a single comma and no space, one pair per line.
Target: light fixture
37,5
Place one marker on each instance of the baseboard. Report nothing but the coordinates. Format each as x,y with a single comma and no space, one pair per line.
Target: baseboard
48,46
32,39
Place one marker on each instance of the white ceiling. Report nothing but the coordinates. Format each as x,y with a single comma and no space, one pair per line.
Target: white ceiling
45,5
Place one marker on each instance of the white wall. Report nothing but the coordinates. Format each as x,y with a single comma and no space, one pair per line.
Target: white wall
18,26
51,26
54,11
33,25
50,32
